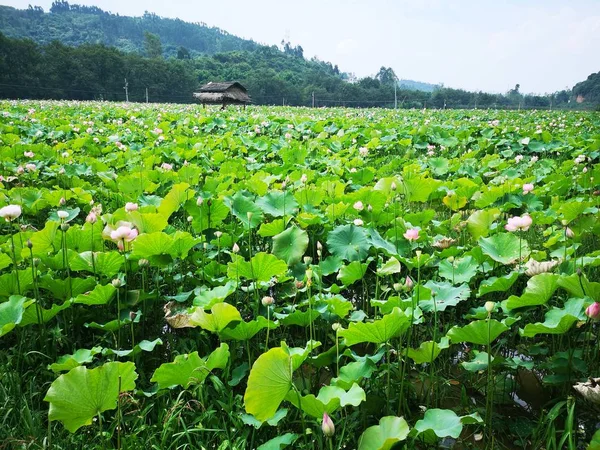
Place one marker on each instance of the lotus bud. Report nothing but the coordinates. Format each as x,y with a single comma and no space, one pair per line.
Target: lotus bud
64,227
564,223
249,215
358,222
267,301
489,306
336,327
117,283
235,248
319,245
132,315
327,426
309,274
408,283
218,234
129,206
369,208
62,201
569,233
393,186
29,244
91,218
190,219
299,284
36,262
451,259
199,201
593,311
307,260
418,254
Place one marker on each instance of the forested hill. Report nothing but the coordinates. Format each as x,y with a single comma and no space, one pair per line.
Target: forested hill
77,25
588,90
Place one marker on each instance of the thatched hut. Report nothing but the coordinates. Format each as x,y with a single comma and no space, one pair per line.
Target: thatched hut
227,93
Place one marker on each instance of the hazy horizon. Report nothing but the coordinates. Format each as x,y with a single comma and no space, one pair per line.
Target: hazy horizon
544,46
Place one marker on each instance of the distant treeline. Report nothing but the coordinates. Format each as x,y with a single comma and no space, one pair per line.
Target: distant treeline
98,72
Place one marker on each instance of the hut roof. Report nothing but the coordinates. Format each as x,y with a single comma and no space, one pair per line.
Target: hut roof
221,87
227,92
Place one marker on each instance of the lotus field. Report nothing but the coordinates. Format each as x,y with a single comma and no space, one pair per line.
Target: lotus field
173,277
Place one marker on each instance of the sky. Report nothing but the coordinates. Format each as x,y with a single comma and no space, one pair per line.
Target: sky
489,45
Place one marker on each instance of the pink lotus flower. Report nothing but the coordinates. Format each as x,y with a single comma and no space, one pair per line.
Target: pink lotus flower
363,151
569,233
91,218
166,166
519,223
412,234
124,233
129,206
29,154
358,222
527,188
359,206
593,311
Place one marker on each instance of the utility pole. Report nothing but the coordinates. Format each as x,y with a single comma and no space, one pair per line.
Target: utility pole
126,87
313,99
395,94
146,95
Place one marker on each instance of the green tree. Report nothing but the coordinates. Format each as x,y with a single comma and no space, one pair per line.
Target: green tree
152,45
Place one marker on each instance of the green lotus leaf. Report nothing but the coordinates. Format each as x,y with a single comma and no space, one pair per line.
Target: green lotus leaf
143,346
210,214
105,263
477,332
278,204
390,267
190,369
79,358
243,331
269,229
279,442
31,313
11,313
242,207
580,286
354,372
378,331
176,197
100,295
428,351
444,423
81,394
329,399
290,245
152,244
352,272
348,242
222,315
558,320
207,298
445,295
298,317
147,223
480,222
269,382
497,284
384,436
504,247
477,364
261,268
538,291
462,270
